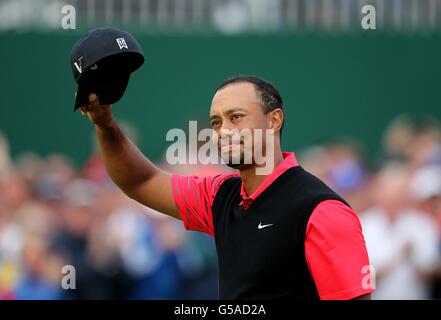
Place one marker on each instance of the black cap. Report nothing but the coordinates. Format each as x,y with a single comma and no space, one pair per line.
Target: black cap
102,61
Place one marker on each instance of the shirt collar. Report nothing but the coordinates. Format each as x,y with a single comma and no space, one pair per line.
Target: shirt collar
288,162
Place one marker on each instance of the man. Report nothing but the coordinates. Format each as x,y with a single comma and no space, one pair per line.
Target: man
284,234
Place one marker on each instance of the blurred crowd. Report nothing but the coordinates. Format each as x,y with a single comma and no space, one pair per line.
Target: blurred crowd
398,197
53,214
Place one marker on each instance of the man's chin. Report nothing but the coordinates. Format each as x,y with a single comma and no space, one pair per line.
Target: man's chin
239,166
236,162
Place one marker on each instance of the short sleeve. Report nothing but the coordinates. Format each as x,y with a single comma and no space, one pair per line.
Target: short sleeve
194,198
336,252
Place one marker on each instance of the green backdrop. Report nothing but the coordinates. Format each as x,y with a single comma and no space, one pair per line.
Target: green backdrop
333,85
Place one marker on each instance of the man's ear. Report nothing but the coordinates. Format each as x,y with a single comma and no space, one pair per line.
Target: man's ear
276,119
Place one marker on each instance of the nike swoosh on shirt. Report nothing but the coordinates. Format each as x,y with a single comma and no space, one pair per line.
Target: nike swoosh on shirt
261,226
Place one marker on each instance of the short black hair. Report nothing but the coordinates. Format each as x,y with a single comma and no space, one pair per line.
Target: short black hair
269,95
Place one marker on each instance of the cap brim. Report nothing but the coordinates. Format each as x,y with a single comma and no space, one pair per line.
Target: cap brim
109,91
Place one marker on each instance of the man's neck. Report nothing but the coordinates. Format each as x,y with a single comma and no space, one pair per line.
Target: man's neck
251,181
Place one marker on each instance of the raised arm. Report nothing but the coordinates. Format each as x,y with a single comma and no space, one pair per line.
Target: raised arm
127,166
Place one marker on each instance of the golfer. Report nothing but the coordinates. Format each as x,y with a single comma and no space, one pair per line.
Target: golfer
280,235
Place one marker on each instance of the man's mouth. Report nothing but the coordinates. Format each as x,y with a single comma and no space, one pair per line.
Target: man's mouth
229,147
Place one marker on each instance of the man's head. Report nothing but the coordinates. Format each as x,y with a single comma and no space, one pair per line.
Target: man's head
247,103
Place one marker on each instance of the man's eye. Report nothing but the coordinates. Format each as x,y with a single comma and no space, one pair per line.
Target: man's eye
215,123
236,116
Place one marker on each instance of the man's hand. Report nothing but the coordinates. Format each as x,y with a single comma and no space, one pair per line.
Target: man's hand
101,115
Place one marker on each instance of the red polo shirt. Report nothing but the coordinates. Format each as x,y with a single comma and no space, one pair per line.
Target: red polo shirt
334,244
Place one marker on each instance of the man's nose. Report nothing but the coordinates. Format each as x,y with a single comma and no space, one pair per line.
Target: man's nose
226,125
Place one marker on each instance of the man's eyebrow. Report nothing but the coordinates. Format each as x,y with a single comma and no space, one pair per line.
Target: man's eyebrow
228,112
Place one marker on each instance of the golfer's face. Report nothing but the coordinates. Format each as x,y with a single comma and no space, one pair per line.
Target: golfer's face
236,112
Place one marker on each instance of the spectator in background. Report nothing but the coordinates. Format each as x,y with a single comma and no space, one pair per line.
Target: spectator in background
414,140
38,281
426,190
5,160
397,138
426,145
342,165
84,244
402,243
36,266
14,195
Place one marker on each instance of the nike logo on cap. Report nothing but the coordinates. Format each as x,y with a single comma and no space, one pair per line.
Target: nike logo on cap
261,226
79,68
78,64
